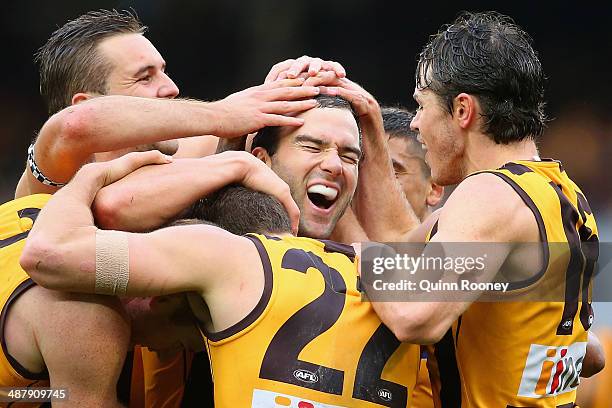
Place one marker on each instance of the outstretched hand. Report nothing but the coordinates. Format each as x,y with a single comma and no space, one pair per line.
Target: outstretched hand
270,104
258,176
119,168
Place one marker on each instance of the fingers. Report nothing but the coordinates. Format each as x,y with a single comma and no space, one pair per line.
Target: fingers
283,194
311,65
124,165
299,66
284,83
323,78
360,100
283,66
285,107
280,120
334,66
291,93
294,214
261,178
315,66
258,176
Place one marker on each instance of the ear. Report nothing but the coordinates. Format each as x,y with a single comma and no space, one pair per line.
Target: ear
80,97
262,154
435,194
465,108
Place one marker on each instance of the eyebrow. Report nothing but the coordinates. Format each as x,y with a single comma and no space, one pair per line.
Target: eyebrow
319,142
147,68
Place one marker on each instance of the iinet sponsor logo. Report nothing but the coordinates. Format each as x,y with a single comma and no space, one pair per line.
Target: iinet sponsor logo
552,370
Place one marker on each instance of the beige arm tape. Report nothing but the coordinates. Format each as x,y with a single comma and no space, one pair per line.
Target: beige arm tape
112,262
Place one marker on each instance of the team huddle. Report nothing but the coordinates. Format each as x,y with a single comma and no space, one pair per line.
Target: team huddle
155,226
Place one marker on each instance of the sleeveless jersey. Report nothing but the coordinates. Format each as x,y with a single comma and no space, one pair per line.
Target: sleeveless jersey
422,394
16,220
310,341
164,380
528,354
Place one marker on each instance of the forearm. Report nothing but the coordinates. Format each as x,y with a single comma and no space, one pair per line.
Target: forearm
418,322
61,255
116,122
72,136
154,195
196,146
380,205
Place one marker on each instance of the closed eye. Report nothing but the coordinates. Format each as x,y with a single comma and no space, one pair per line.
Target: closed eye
350,159
311,148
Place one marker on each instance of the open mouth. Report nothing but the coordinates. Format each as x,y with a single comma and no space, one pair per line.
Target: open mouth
321,196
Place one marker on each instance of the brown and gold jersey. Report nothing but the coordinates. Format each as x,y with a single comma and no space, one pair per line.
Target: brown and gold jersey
311,341
16,220
528,354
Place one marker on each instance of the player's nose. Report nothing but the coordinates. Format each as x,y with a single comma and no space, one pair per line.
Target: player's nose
168,88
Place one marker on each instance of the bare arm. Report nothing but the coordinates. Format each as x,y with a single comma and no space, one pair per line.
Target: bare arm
154,195
595,359
70,137
466,217
98,335
61,251
196,146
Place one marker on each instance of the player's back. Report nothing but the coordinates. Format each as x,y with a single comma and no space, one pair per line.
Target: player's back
310,341
519,353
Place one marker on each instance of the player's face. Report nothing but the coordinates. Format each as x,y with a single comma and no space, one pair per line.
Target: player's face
407,165
138,70
319,161
440,137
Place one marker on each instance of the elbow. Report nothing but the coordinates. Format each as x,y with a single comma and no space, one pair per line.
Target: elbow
73,123
37,260
594,359
108,208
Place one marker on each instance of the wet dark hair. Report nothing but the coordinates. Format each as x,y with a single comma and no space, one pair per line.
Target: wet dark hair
396,121
241,210
70,62
268,136
487,55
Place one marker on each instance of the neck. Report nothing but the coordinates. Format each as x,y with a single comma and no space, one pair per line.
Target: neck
485,154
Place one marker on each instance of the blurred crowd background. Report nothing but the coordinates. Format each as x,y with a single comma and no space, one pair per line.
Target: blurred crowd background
216,47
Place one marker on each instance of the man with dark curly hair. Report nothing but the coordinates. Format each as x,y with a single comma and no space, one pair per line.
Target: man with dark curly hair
480,94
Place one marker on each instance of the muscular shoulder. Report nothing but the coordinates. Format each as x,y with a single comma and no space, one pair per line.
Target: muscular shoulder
485,208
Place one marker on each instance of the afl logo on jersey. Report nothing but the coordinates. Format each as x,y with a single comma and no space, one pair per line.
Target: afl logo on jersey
385,394
306,376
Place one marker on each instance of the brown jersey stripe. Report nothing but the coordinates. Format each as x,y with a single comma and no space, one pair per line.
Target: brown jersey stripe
450,381
541,228
573,273
263,301
22,371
